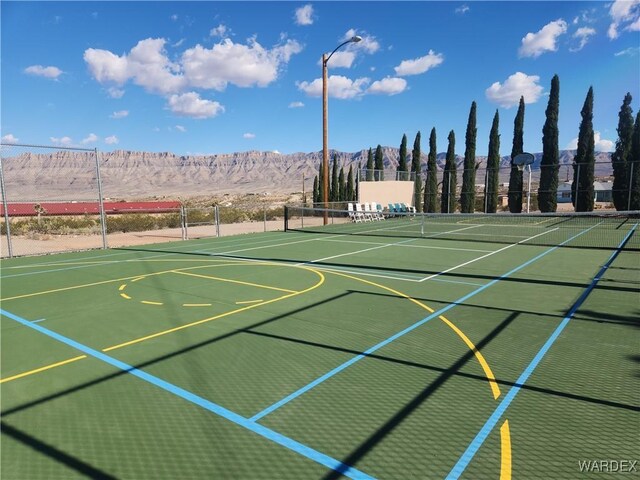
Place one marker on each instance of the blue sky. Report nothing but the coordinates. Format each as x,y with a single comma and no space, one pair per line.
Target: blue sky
221,77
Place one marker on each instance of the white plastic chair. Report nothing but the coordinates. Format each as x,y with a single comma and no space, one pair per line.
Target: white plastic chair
353,215
365,216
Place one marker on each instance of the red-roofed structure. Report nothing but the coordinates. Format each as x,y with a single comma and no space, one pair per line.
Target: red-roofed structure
88,208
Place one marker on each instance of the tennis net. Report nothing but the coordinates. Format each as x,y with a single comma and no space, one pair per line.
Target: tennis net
604,230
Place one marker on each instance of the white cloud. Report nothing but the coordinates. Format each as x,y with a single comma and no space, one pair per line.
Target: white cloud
40,71
242,65
419,65
112,140
91,138
180,128
9,138
219,31
338,87
461,10
625,15
631,51
174,17
304,15
517,85
115,92
119,114
296,105
249,136
535,44
64,141
388,86
601,144
191,105
178,43
582,35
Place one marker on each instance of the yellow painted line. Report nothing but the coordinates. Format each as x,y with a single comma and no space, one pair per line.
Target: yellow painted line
146,302
222,315
240,282
124,295
122,287
196,304
42,369
505,451
481,360
505,438
165,332
130,278
248,301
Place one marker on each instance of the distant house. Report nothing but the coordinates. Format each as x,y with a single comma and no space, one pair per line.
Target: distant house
602,192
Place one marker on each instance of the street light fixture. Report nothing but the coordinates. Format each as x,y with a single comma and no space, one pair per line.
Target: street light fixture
325,125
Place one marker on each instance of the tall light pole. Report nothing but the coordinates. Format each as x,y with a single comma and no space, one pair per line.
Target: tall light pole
325,125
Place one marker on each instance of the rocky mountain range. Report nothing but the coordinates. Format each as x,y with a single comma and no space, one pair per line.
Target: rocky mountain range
30,174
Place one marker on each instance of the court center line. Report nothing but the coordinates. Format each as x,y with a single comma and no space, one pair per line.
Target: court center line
484,432
408,329
219,410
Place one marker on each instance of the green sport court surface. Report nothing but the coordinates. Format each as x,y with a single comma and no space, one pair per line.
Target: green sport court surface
406,348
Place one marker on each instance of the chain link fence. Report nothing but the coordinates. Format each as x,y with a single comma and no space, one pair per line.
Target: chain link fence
578,188
57,199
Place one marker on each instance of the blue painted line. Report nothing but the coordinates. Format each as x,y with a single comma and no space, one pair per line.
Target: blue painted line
419,323
495,417
265,432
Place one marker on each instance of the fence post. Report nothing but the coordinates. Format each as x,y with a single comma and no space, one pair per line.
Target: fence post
264,212
448,191
216,214
486,189
577,187
630,185
6,211
103,217
183,223
286,218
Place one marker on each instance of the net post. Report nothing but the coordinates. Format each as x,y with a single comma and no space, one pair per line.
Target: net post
286,218
183,222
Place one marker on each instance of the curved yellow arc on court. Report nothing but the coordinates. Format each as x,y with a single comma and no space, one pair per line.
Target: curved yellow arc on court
505,437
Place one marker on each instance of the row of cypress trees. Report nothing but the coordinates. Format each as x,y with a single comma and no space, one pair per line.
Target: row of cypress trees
625,161
340,189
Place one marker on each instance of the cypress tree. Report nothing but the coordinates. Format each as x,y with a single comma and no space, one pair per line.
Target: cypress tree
634,166
415,168
493,167
370,166
315,191
583,172
550,163
515,177
449,179
402,161
335,187
379,164
431,186
342,190
620,156
357,180
468,195
351,195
